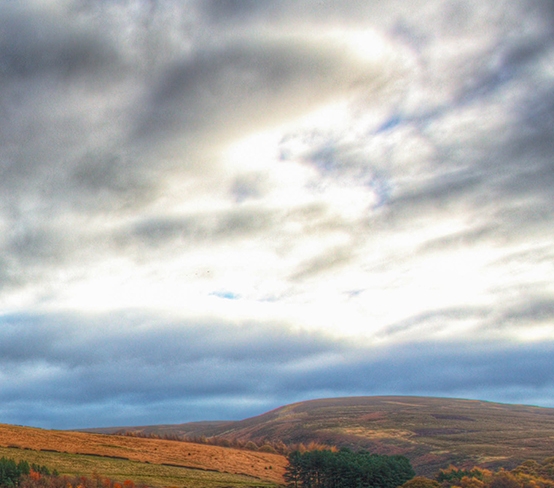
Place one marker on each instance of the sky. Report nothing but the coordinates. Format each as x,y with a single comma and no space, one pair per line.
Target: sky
212,208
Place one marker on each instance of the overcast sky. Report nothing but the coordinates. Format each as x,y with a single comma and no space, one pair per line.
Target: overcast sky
209,209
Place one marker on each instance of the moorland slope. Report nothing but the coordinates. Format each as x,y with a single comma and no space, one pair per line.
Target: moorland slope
73,452
431,432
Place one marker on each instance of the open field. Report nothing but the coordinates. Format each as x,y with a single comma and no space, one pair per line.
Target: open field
431,432
151,461
118,469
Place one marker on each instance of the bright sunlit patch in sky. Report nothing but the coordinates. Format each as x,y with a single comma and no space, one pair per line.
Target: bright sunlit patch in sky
368,44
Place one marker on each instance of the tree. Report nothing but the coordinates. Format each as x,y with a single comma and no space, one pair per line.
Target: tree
293,472
504,479
421,482
346,469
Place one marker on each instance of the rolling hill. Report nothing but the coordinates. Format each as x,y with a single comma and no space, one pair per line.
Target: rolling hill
154,462
431,432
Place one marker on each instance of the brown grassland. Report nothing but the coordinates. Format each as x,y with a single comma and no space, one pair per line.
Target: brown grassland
154,462
431,432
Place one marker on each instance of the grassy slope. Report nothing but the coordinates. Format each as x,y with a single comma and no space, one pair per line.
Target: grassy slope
432,432
155,462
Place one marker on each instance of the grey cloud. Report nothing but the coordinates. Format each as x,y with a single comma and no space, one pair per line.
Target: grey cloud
539,253
86,373
531,309
33,46
143,359
36,244
497,167
248,186
459,240
439,368
237,10
439,192
99,173
434,320
213,227
246,83
326,261
507,62
85,113
148,340
70,87
236,225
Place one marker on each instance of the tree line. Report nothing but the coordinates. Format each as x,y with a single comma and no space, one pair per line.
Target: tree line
12,473
262,445
529,474
24,475
346,469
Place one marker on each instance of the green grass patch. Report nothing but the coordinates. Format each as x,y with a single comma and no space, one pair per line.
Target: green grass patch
120,470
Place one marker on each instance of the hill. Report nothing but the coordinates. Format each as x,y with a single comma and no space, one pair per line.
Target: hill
431,432
151,461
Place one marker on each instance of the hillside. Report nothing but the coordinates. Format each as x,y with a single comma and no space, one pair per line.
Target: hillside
117,456
431,432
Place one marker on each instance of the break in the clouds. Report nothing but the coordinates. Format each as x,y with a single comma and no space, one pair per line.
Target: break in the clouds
208,209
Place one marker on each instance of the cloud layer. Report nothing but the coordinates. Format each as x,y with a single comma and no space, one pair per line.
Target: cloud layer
208,209
151,371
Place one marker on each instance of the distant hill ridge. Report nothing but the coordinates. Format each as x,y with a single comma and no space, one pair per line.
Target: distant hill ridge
431,432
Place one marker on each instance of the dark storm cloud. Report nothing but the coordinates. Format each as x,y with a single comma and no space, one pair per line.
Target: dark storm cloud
143,359
438,368
148,341
86,367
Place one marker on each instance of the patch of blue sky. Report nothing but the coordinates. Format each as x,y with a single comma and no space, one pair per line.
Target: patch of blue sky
227,295
391,123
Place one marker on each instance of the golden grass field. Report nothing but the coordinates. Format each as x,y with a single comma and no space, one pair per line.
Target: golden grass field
151,461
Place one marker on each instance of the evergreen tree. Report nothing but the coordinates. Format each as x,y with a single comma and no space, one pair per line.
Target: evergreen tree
346,469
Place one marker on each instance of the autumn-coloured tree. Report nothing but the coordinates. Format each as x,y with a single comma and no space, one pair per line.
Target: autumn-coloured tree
472,482
421,482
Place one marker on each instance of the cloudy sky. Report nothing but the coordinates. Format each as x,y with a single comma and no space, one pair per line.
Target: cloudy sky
209,209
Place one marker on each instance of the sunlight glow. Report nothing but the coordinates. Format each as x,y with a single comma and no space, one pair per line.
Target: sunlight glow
367,44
